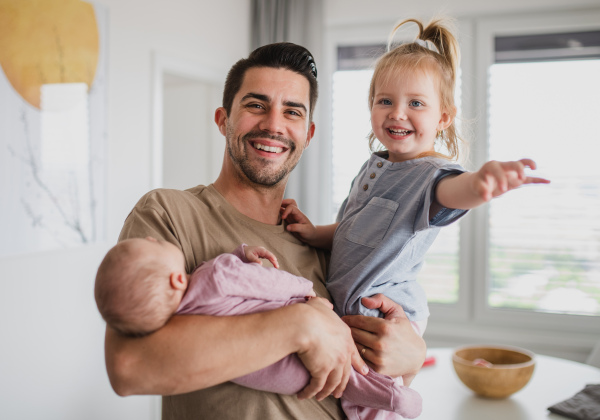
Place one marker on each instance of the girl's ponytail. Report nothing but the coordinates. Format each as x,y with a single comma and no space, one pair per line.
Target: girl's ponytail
435,48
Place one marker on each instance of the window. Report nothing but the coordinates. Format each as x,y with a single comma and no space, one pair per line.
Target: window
544,242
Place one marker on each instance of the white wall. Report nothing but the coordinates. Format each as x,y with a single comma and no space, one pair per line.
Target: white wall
52,357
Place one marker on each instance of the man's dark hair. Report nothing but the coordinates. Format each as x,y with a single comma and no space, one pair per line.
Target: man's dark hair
283,55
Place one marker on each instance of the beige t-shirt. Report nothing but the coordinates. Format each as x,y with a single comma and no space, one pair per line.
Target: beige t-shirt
204,225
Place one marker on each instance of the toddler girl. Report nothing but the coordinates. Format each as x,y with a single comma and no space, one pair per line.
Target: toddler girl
404,193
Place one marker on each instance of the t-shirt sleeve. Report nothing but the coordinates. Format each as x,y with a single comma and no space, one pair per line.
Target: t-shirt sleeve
444,216
149,218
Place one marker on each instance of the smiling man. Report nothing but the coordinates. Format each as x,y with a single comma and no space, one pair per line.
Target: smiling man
267,127
266,119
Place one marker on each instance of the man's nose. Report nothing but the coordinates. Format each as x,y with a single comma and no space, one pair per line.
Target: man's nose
272,122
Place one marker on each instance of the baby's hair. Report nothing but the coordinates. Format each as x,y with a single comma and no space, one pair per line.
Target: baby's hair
130,291
435,49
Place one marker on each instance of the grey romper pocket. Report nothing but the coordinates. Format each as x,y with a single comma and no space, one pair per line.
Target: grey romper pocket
371,223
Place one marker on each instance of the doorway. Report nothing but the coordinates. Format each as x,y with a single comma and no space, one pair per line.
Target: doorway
187,145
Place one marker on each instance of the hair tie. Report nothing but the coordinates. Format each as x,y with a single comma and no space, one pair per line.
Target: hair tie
427,45
312,65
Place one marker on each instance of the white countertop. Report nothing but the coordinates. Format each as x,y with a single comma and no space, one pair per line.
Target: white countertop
445,397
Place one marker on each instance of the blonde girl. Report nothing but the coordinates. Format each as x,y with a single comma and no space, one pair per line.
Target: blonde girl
407,190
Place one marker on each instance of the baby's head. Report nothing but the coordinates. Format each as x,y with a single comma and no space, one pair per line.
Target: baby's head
434,55
140,284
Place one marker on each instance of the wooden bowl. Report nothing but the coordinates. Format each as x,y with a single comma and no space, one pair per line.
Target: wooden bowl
510,370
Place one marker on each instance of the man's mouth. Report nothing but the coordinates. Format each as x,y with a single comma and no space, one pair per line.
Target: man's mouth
264,147
399,132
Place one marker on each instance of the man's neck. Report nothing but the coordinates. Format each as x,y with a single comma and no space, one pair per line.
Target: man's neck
259,203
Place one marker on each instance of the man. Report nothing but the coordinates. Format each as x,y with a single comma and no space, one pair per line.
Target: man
266,119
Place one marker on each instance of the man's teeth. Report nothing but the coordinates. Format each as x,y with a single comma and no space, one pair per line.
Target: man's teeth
271,149
399,132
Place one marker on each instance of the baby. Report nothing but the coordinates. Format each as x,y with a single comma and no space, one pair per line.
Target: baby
141,283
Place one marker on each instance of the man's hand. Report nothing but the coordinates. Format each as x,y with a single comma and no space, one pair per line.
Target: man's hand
329,352
389,345
255,253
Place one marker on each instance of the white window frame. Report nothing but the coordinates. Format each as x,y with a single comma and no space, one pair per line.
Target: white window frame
471,319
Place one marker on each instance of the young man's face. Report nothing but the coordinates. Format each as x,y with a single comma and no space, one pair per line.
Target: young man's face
268,127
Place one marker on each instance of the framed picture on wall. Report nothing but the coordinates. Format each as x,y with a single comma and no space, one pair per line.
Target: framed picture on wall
53,90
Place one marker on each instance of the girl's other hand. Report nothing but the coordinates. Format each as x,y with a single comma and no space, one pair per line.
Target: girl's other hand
298,223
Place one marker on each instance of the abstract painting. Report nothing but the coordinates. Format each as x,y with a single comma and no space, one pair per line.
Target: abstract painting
53,88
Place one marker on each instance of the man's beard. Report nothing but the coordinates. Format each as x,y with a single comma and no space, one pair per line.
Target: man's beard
255,172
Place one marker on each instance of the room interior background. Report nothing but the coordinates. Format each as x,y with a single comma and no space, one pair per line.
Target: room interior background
166,65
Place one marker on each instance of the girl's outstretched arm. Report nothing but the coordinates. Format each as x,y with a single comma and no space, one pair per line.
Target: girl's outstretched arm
302,227
471,189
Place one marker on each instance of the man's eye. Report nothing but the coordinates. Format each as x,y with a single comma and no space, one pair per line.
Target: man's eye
415,103
256,106
294,113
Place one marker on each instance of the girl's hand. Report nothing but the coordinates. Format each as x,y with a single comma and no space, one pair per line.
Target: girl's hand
297,222
255,253
495,178
389,345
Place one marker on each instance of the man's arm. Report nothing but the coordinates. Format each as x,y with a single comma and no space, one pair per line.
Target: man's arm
194,352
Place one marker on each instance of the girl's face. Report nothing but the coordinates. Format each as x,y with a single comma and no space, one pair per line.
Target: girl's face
406,113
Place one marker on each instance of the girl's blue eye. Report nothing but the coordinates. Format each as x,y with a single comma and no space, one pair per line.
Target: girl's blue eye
385,102
415,103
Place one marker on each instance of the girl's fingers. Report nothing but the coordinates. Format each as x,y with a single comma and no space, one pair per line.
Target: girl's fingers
535,180
286,212
288,201
528,162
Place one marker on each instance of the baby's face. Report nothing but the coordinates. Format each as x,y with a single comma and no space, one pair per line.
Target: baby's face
162,250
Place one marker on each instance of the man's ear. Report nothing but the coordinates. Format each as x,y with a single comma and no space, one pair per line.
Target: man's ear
310,134
221,120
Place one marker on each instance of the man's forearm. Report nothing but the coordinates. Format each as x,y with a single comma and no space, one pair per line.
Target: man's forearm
195,352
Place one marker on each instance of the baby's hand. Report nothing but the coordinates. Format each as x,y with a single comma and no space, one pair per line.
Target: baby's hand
298,223
255,253
495,178
313,295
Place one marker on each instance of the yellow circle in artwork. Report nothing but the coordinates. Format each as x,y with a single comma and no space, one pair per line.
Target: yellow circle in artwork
47,41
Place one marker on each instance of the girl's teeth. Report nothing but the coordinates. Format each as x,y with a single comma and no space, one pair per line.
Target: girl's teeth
399,132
